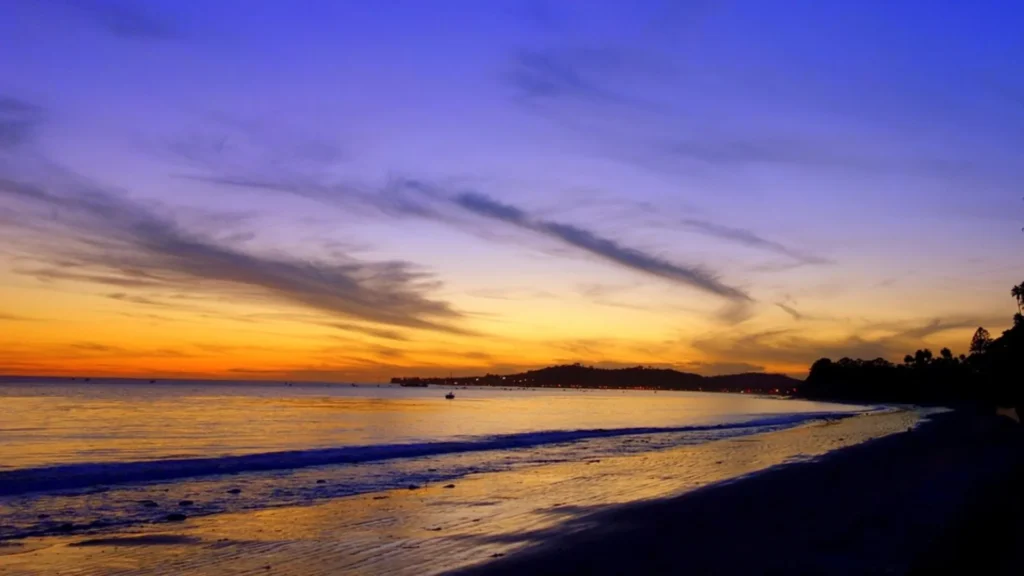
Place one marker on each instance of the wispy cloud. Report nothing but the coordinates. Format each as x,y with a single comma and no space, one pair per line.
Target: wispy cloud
18,121
751,239
551,74
722,149
127,19
889,340
938,325
369,331
404,197
720,368
600,246
510,293
5,317
796,314
85,233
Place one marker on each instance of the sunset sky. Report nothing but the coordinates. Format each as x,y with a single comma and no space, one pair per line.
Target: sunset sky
356,190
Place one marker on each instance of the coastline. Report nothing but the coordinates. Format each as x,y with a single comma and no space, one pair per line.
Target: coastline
919,502
435,529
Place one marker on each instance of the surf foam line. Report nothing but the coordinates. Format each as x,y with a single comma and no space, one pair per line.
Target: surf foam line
84,475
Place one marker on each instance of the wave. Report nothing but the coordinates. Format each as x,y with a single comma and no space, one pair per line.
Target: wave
86,475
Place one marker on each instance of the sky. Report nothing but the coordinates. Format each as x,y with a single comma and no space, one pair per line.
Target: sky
355,190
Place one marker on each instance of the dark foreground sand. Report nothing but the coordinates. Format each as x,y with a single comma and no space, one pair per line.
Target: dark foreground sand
944,498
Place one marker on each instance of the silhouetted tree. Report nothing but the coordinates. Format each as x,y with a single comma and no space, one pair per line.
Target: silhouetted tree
1018,293
980,341
992,374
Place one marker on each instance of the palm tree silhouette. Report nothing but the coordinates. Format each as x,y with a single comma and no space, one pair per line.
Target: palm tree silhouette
1018,293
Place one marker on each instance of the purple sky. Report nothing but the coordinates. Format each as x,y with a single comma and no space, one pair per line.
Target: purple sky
488,185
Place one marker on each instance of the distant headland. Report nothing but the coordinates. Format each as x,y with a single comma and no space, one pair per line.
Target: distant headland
635,378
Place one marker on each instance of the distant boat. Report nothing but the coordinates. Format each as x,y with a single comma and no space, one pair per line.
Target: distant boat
450,396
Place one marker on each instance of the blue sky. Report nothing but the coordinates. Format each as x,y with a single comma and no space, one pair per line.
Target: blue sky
705,185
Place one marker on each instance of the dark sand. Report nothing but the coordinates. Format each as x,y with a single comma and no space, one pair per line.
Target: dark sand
944,498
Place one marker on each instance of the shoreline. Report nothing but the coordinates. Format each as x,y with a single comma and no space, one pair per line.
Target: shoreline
434,528
910,503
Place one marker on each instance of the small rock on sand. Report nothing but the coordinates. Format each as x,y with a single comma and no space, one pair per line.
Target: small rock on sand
148,504
235,491
414,487
380,497
186,503
43,516
176,517
449,486
321,481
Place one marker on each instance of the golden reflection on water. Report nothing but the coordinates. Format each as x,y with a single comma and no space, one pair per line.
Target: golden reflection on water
51,424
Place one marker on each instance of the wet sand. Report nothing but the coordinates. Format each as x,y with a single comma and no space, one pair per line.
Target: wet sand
541,519
943,499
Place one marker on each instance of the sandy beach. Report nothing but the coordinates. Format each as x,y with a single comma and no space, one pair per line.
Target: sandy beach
596,516
943,498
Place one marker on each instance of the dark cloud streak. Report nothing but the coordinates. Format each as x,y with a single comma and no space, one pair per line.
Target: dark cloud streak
600,246
791,311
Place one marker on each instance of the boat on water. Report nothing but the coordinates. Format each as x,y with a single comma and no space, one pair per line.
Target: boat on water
450,396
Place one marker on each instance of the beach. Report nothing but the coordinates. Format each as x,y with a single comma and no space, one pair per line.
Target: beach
943,498
826,495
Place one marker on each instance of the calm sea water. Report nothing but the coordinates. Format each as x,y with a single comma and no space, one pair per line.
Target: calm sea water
107,454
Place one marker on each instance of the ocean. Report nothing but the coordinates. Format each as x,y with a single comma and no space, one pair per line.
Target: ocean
111,454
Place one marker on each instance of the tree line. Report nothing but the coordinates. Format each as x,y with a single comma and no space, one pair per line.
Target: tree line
991,373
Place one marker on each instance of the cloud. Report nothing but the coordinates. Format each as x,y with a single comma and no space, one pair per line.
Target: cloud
406,197
792,347
721,149
720,368
18,121
600,75
600,246
791,311
751,239
369,331
937,326
93,347
510,293
774,347
550,74
143,300
86,233
127,19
